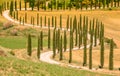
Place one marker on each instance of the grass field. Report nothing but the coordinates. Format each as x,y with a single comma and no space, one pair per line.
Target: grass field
21,67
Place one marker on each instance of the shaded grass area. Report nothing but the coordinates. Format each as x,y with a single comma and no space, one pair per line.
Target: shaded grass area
13,66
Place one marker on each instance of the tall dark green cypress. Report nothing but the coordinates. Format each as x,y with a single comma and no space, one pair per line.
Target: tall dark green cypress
37,19
76,37
111,64
65,40
33,21
49,39
102,53
25,2
41,21
52,21
20,5
61,21
70,52
17,15
20,20
38,48
54,44
67,23
38,5
23,21
29,45
41,40
95,35
55,22
90,50
48,22
61,51
15,5
85,46
11,8
1,10
45,21
25,17
58,42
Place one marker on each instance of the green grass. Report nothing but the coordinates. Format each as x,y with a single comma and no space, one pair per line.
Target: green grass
10,66
18,42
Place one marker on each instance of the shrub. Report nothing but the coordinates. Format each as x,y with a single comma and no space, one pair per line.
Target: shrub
12,53
14,32
7,25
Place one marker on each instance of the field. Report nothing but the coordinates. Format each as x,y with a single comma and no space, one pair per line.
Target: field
14,41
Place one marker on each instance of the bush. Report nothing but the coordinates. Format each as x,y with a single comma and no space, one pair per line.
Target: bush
14,32
7,25
12,53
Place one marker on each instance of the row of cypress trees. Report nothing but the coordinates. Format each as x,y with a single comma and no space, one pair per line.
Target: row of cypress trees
79,37
13,5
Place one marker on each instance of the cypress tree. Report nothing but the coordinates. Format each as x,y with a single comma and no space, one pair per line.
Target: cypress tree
41,21
38,5
55,22
25,17
58,38
65,41
17,15
15,5
95,35
48,22
20,5
49,39
8,5
11,8
20,20
61,52
54,44
90,26
41,40
61,21
76,38
111,55
45,21
67,23
81,5
70,52
25,2
80,38
29,45
52,21
1,10
74,23
38,19
33,21
38,48
14,14
102,53
70,23
90,50
85,48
